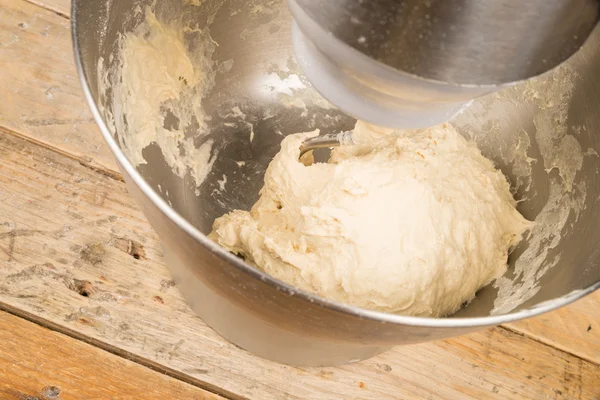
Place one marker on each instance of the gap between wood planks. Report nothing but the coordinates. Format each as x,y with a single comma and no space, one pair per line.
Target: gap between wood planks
56,11
168,371
532,337
118,352
40,364
104,171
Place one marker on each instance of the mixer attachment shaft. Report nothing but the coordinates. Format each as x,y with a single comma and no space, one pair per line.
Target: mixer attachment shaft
327,141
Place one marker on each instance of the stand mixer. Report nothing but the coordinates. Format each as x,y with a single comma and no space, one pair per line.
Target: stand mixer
543,137
411,64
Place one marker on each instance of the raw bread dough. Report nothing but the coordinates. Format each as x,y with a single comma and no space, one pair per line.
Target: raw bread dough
406,222
159,74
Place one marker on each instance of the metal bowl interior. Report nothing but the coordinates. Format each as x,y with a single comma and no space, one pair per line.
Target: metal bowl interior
542,134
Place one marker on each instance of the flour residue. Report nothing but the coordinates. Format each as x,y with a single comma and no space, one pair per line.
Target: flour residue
164,70
562,158
222,182
292,88
542,158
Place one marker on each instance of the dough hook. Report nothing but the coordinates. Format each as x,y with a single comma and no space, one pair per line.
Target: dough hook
324,141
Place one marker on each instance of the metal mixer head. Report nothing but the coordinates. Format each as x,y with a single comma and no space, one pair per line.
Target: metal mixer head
416,63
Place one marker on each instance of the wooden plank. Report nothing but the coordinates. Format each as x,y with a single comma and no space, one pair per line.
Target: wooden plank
575,329
39,364
39,77
61,7
65,235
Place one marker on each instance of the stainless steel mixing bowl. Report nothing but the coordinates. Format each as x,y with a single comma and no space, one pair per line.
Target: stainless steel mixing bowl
544,136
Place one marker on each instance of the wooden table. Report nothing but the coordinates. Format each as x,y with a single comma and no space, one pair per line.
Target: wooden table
88,310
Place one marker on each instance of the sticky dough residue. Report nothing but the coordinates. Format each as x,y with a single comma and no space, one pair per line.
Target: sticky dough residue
548,99
163,71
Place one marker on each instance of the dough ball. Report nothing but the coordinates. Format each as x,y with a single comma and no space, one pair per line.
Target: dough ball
408,222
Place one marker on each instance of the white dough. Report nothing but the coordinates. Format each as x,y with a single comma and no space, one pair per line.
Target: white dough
159,73
408,222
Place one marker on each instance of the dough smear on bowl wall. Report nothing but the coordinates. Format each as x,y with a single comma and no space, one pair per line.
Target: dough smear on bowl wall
409,222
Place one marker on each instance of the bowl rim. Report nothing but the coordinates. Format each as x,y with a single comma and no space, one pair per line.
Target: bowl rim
202,239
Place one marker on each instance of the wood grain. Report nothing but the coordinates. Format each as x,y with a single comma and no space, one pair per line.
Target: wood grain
63,228
39,77
39,364
575,329
60,7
